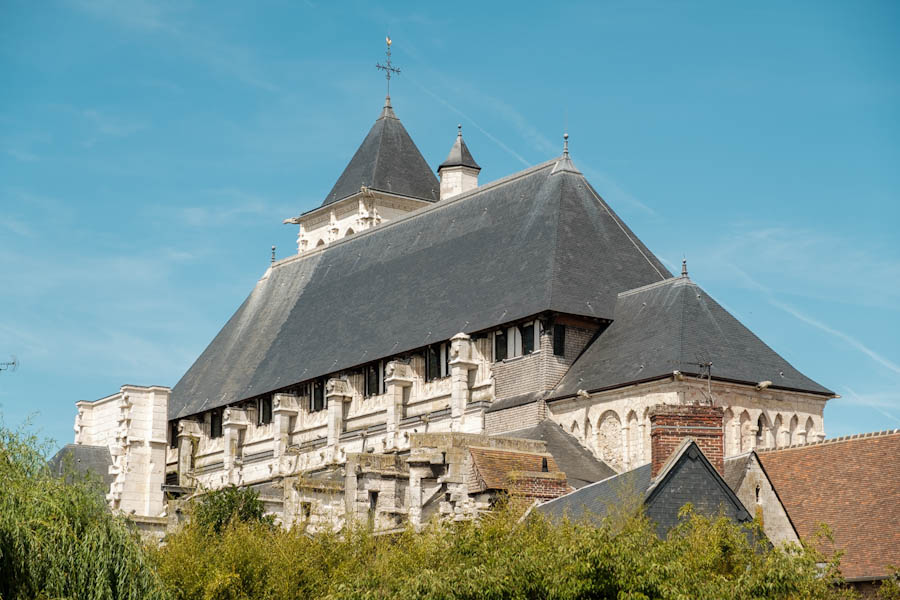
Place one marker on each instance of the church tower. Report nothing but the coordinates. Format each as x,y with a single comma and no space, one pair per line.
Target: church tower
386,177
459,172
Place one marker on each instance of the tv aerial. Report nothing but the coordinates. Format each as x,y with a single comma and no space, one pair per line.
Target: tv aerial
10,365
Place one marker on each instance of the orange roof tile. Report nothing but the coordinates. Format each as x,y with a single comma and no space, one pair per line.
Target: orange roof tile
492,466
853,485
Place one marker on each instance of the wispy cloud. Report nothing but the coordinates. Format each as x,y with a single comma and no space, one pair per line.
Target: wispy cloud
615,193
475,124
171,21
112,125
809,320
878,402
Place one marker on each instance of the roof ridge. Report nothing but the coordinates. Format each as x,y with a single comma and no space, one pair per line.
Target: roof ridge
655,284
513,451
844,438
618,222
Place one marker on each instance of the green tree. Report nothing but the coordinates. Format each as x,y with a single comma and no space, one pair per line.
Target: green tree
58,539
217,508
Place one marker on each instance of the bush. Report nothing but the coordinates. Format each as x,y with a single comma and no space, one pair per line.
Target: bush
216,509
59,540
499,557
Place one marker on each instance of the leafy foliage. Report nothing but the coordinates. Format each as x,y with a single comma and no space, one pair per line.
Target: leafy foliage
59,540
216,509
500,557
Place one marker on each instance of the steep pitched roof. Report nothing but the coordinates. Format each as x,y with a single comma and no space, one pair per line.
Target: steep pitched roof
580,466
687,477
526,244
389,161
459,155
853,485
674,325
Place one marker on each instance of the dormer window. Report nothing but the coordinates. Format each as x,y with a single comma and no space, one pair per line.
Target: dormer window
518,340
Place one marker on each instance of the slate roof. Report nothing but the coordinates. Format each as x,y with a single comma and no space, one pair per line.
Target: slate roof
528,243
83,459
389,161
580,466
459,155
853,485
736,469
673,325
686,477
492,466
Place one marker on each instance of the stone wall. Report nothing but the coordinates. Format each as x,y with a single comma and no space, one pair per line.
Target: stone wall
615,424
758,496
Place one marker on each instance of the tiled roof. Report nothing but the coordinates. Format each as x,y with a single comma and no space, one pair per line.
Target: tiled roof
674,325
577,462
507,250
387,160
853,485
492,467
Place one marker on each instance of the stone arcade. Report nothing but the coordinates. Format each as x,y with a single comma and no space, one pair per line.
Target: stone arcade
436,342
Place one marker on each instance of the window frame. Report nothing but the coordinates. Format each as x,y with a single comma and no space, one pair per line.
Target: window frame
264,410
317,400
216,423
559,340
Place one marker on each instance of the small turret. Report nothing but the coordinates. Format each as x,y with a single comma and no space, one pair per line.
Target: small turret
459,172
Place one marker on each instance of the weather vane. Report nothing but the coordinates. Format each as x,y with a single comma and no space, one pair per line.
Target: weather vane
388,68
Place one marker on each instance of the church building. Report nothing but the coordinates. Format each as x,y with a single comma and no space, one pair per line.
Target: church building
437,340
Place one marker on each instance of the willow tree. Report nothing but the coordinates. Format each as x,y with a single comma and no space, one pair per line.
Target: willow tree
58,539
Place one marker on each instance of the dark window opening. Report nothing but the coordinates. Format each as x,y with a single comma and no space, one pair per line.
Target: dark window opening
433,362
559,340
373,506
172,478
173,434
305,510
264,412
317,400
215,423
527,333
544,467
500,349
374,379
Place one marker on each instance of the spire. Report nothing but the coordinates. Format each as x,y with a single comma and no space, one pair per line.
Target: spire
459,154
565,164
388,110
684,267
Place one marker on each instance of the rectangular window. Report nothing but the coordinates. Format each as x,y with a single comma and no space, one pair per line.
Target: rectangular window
374,379
559,340
317,401
500,349
173,434
264,411
215,423
527,333
433,362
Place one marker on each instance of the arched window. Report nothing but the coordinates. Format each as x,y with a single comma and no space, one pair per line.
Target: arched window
320,243
761,432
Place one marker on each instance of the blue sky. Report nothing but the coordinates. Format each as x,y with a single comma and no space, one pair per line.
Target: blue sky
150,151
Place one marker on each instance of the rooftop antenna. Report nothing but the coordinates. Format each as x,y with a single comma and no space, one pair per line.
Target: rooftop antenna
388,68
707,367
12,365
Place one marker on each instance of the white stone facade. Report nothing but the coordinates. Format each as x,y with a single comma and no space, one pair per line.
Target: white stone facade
361,211
132,424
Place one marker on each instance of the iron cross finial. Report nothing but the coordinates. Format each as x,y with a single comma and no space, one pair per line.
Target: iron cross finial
388,68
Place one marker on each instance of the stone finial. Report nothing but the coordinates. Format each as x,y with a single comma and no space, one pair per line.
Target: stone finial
273,255
566,144
684,272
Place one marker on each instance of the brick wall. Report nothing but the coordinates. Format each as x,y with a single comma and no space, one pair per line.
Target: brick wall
518,417
541,370
541,486
669,425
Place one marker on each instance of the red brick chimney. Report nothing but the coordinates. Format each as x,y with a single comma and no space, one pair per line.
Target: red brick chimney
669,425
